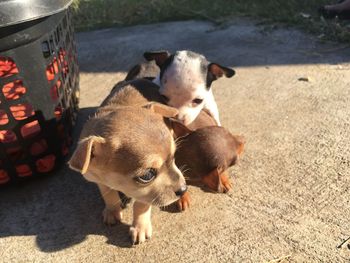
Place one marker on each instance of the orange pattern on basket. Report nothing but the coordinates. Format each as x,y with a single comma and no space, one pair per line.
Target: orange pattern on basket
13,91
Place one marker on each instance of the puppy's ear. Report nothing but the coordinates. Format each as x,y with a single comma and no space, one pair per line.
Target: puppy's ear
133,72
84,152
159,56
218,71
164,110
179,129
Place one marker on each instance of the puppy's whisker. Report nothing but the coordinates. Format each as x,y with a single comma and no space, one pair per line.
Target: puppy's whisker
178,145
184,169
155,199
179,140
124,200
164,208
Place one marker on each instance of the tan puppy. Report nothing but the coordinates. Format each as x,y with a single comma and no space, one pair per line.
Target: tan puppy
204,153
127,147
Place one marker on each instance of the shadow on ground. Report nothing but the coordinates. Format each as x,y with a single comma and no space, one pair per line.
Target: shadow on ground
60,210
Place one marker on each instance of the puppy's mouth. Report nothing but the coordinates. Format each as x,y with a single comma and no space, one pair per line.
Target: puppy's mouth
162,200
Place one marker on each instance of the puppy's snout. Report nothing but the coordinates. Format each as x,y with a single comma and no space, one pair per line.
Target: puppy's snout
181,191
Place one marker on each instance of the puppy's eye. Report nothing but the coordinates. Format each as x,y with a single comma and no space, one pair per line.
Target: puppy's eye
148,177
165,98
197,101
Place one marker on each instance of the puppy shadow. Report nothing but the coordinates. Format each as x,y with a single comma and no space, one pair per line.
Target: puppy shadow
61,209
172,209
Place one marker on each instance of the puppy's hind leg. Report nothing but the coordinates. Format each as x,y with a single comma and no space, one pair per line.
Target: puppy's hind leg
113,210
217,180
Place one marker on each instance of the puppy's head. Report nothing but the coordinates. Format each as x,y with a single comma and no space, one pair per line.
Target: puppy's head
206,149
131,150
185,79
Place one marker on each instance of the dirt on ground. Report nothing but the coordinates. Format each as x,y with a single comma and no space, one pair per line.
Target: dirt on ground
290,99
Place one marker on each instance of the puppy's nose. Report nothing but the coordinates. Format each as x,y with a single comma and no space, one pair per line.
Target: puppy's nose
181,191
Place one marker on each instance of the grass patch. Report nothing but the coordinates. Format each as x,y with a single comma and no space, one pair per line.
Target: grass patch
94,14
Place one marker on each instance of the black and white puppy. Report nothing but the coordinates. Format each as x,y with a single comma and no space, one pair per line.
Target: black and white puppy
185,78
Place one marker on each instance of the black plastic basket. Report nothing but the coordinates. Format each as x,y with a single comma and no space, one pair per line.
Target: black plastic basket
39,94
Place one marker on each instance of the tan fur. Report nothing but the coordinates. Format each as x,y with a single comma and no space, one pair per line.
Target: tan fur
126,137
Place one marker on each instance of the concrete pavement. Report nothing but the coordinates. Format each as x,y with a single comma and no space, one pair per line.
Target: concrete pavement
290,198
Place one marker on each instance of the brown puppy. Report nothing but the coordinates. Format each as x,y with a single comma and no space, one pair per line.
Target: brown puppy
127,147
205,152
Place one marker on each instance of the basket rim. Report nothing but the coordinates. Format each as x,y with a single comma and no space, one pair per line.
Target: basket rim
14,12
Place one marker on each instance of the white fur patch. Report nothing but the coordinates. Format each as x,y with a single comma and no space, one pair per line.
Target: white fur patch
182,82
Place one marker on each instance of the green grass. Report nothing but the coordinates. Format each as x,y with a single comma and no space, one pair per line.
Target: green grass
93,14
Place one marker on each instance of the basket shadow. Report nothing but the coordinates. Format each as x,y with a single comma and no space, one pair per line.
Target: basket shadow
60,210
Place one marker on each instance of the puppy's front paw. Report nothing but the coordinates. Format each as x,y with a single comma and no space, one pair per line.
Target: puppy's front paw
140,231
184,202
225,185
112,216
217,181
